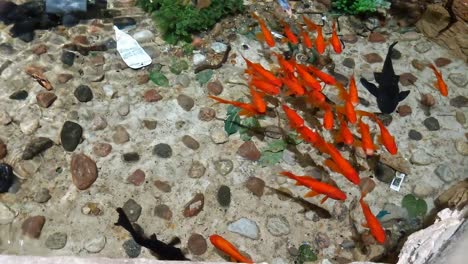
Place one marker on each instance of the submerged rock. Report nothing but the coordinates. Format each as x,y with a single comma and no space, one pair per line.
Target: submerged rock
57,240
36,146
83,170
6,177
132,209
245,227
194,206
277,225
196,244
32,226
224,196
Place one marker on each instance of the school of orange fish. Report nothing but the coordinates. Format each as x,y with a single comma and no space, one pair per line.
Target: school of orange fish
306,81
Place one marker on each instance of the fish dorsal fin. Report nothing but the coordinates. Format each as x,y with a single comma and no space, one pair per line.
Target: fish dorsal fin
402,95
378,77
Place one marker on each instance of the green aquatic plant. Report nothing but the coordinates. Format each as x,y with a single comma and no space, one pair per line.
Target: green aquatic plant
159,78
415,207
354,7
178,20
306,254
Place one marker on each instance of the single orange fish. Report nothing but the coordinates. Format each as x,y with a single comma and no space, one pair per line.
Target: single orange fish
306,40
353,92
308,79
310,25
308,135
350,112
320,43
258,101
344,134
344,167
286,65
293,85
295,120
326,78
258,68
315,97
372,222
246,109
266,34
225,246
328,119
288,33
335,41
317,187
366,139
440,84
265,86
385,137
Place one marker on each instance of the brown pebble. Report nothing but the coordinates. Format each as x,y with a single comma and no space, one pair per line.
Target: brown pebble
45,99
80,40
407,78
428,100
102,149
197,244
206,114
256,186
163,211
197,169
137,178
419,65
39,49
404,110
186,102
194,206
376,37
64,77
441,62
142,78
150,124
3,149
97,60
35,70
151,96
373,58
162,186
83,170
32,226
215,87
190,142
249,151
349,38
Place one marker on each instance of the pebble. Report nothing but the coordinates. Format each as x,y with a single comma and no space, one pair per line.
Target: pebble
420,157
462,147
419,65
96,244
223,166
414,135
396,54
384,173
151,96
322,240
198,59
64,78
150,124
410,36
376,37
6,177
19,95
91,208
459,80
196,244
341,78
459,116
33,225
83,93
277,225
194,206
99,123
5,118
441,62
197,169
29,126
431,123
42,196
163,186
108,90
39,49
219,136
132,209
459,101
123,109
245,227
70,135
83,170
366,185
183,80
224,196
349,62
407,78
215,87
422,190
162,150
68,58
3,149
143,36
123,22
137,178
255,185
249,151
404,110
102,149
142,78
428,100
444,172
163,211
190,142
275,132
206,114
45,99
289,157
218,47
349,38
36,146
57,240
6,214
186,102
131,157
423,47
121,135
373,58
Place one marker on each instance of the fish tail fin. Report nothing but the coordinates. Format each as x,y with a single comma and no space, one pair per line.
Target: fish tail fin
392,45
220,100
288,174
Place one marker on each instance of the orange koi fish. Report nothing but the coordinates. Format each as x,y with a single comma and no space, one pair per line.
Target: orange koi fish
293,85
258,101
372,222
440,84
306,39
225,246
317,187
265,86
353,93
295,120
385,137
320,43
308,135
315,97
328,119
343,165
366,139
288,33
308,79
326,78
247,109
344,134
287,66
266,34
258,68
335,41
310,25
350,112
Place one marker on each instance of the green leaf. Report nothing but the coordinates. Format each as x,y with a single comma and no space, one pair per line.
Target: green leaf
248,124
276,146
269,158
232,110
293,138
204,76
306,254
159,79
415,206
178,66
231,125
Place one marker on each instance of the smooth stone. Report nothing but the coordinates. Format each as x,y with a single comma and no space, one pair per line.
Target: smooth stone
410,36
245,227
183,80
132,209
431,123
384,173
42,196
83,93
64,78
102,149
194,206
404,110
57,240
459,116
198,59
277,225
197,169
458,79
163,186
441,62
215,87
143,36
131,157
407,79
255,185
459,101
321,240
108,90
45,99
249,151
137,178
219,136
422,190
123,109
83,170
218,47
186,102
206,114
36,146
33,225
428,100
420,157
190,142
99,123
373,58
142,78
6,177
462,147
132,248
163,211
349,63
224,196
350,38
414,135
376,37
223,166
196,244
162,150
6,214
150,124
68,58
96,244
121,135
444,172
19,95
152,96
70,135
423,47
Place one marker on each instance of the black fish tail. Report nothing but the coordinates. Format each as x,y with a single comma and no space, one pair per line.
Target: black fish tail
124,222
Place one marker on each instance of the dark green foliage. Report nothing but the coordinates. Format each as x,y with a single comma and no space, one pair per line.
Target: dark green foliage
354,7
178,21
